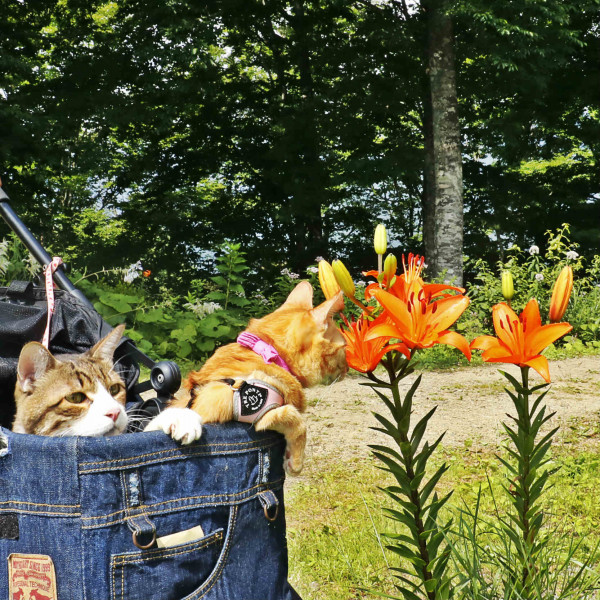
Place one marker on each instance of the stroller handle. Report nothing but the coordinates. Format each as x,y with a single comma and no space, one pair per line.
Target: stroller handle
36,249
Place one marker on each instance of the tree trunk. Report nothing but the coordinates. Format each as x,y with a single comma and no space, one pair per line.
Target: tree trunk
443,206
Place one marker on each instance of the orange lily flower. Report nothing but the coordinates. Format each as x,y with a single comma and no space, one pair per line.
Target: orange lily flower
561,294
419,323
410,281
520,339
364,355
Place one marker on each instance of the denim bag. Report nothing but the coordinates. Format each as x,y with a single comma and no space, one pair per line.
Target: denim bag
139,517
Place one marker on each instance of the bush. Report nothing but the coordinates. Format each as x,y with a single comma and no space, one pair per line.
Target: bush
534,275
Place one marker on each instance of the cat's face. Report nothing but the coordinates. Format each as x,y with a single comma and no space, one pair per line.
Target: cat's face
71,395
309,340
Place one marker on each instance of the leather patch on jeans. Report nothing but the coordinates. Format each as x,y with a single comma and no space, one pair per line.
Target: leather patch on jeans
9,526
31,576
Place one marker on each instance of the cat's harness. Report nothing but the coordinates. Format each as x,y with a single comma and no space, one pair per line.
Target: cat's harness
252,398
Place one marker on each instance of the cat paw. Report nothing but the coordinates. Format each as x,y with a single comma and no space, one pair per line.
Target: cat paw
182,424
293,463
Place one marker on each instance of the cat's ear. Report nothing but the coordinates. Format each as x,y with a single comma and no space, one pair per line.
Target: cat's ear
328,308
34,361
106,347
301,295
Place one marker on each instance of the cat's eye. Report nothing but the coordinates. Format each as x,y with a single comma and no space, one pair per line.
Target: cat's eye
114,389
76,398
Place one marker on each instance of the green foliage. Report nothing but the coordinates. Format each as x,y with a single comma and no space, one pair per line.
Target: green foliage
165,326
285,126
15,262
416,504
534,275
333,521
230,289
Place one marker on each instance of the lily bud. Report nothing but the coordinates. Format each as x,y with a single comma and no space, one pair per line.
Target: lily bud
508,289
561,294
329,285
389,267
380,239
343,278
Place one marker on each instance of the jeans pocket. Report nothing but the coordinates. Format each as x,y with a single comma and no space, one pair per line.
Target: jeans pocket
166,573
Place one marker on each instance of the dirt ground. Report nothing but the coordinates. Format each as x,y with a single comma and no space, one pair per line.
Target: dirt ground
471,405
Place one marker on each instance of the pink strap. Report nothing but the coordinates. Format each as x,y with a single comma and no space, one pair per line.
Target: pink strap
48,272
268,353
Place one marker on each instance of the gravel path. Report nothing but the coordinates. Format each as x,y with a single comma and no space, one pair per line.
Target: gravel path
471,404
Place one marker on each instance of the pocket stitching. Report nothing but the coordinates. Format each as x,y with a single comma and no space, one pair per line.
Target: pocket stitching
168,552
119,561
218,570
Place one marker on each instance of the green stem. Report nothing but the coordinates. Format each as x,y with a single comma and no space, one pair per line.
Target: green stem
408,456
525,472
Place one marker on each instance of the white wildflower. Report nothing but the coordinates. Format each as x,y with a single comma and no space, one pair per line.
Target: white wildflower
312,270
360,284
534,250
133,272
319,259
201,309
572,255
4,260
539,277
293,275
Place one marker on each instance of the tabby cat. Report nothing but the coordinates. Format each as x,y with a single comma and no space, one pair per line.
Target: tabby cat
74,394
260,379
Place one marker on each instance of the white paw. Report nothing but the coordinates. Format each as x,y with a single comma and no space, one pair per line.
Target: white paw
182,424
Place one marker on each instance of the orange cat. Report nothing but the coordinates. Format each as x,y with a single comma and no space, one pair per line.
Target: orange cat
260,378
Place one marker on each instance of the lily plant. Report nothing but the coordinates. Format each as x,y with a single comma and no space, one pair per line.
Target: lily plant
403,315
520,340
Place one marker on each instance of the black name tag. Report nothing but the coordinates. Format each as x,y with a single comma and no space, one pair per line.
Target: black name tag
9,526
253,399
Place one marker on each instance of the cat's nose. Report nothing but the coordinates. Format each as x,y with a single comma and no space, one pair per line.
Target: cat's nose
113,413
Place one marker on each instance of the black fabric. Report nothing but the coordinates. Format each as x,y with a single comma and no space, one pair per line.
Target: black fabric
74,329
253,398
9,526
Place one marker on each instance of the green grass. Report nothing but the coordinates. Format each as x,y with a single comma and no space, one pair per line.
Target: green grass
336,550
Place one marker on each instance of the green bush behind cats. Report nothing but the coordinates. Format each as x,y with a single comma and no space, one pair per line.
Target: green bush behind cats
188,329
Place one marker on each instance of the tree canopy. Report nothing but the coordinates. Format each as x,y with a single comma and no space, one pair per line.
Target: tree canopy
135,130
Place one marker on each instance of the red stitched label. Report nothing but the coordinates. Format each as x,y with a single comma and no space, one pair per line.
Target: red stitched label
31,576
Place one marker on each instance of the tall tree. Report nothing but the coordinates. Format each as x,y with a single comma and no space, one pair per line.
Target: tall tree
443,208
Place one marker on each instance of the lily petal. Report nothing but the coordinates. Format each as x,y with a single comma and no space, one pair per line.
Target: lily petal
544,336
483,342
388,330
455,339
540,364
530,317
396,309
448,311
504,317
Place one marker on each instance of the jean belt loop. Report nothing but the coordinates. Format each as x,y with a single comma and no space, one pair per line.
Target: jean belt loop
270,504
142,528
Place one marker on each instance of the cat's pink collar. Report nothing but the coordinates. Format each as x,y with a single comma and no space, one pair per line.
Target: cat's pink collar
268,353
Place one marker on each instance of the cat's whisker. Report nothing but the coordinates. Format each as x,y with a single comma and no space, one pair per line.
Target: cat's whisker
115,363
